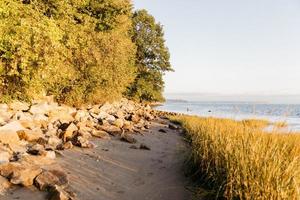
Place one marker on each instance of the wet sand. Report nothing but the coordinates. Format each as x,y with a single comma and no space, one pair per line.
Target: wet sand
114,171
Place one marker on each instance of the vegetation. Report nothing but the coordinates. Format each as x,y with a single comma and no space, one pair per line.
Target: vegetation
239,160
80,51
152,58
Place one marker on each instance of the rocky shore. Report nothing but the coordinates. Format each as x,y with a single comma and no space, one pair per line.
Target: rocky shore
32,135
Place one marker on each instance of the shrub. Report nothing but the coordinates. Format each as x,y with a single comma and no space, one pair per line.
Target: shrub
79,51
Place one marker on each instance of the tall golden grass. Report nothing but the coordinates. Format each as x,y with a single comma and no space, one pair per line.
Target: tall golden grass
240,160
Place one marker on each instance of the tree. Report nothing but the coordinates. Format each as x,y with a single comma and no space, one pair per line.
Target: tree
152,58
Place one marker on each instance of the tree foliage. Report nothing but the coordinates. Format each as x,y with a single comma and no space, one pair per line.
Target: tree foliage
152,58
78,50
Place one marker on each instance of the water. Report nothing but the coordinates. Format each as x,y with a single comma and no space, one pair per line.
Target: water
273,112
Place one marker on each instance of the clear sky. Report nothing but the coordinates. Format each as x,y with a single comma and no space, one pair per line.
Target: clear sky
231,46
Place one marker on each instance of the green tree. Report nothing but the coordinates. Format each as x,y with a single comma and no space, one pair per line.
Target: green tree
152,58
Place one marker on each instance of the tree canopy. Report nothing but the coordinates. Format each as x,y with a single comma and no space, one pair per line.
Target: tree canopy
80,51
152,57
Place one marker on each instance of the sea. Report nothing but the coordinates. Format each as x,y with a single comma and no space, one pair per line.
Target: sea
288,113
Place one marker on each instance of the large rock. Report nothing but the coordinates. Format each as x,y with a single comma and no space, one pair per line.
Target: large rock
20,174
4,185
81,142
9,137
30,135
12,126
57,193
113,130
69,133
42,107
100,134
62,114
18,106
51,178
128,138
119,123
4,157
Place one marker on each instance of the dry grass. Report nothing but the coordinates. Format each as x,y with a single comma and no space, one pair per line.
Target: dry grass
240,161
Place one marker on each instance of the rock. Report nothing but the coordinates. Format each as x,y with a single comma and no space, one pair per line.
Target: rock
144,147
50,179
173,127
40,117
128,138
64,115
81,142
54,141
68,145
85,134
68,134
20,174
18,106
162,131
112,130
42,107
36,149
128,126
4,157
12,126
4,185
81,115
30,135
100,134
119,114
134,118
9,137
48,154
133,147
118,123
57,193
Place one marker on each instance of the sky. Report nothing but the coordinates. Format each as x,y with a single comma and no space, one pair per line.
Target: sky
232,47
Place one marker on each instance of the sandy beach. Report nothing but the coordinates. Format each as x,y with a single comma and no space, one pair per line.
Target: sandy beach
117,170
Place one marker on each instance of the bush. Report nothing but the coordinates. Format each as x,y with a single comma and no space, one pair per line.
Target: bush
79,51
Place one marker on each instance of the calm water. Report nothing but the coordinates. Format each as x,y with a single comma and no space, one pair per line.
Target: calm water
273,112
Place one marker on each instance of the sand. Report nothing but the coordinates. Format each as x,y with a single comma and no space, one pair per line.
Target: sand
114,171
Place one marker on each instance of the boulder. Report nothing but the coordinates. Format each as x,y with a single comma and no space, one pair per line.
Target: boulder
128,138
42,107
18,106
100,134
119,123
61,114
68,134
20,174
36,149
4,185
57,193
51,178
112,130
9,137
22,116
30,135
81,115
81,142
54,141
68,145
12,126
85,134
4,157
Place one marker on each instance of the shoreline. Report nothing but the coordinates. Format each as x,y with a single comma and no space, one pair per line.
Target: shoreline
46,140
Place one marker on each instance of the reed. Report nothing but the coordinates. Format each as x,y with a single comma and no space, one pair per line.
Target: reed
239,160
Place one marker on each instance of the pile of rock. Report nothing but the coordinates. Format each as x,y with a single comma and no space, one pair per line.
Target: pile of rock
31,134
